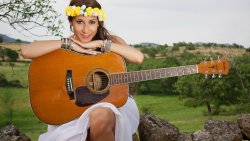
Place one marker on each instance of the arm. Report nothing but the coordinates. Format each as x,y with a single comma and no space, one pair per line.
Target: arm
118,46
39,48
131,54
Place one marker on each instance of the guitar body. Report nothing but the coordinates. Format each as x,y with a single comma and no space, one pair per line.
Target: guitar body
47,76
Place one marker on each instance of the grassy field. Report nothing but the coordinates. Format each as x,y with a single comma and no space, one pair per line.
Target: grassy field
15,107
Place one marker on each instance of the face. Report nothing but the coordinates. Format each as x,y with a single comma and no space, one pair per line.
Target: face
84,28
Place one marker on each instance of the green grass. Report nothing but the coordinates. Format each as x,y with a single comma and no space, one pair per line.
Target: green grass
15,108
172,109
19,72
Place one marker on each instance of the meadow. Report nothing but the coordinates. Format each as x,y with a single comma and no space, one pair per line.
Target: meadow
15,107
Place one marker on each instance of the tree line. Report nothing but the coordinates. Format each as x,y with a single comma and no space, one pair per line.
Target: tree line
196,90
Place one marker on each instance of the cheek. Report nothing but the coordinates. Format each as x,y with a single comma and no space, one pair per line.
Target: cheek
77,28
94,29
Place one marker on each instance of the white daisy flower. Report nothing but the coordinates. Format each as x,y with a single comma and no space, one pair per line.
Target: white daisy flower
85,14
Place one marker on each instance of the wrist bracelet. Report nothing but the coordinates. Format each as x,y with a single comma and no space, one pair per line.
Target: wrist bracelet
66,43
106,45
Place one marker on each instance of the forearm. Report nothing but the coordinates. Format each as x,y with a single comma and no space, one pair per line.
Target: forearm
131,54
39,48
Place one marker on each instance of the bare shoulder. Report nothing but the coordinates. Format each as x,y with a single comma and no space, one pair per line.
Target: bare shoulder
118,40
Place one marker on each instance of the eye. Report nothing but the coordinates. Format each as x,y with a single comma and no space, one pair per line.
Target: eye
92,22
79,21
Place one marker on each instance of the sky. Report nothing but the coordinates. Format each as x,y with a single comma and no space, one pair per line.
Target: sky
167,21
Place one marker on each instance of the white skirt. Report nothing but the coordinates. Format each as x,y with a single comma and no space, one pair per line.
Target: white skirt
127,121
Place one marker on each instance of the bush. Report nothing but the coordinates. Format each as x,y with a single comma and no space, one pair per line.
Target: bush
3,80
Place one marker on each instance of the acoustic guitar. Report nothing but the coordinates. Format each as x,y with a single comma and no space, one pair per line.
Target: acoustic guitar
63,84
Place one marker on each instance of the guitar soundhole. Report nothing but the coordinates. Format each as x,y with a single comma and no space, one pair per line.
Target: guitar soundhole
98,82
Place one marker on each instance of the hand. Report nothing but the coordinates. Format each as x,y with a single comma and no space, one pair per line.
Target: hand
88,48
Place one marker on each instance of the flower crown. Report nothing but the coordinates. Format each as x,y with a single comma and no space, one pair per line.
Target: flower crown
89,11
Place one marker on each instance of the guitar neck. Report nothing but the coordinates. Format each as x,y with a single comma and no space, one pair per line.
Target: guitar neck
144,75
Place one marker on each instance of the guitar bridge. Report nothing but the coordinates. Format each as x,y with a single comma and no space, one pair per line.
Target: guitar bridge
69,84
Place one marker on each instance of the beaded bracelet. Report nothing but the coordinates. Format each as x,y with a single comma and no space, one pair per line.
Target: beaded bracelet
66,43
106,45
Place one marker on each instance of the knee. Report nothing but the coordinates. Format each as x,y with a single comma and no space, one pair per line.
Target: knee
102,119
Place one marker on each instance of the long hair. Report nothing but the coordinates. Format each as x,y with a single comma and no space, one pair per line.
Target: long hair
102,32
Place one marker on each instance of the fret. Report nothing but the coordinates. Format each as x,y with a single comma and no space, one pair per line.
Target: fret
144,75
133,74
157,74
172,72
125,77
116,79
122,77
180,71
163,73
130,77
190,69
168,73
136,76
140,75
152,74
184,69
147,75
110,80
194,69
175,72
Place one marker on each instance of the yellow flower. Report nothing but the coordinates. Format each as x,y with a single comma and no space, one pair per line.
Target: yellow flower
103,15
97,11
77,10
69,11
89,11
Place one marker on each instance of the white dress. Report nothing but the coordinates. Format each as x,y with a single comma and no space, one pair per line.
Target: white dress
127,121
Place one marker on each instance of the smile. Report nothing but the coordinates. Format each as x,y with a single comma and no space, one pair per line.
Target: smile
85,36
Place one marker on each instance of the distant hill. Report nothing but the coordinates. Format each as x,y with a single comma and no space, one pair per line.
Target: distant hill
8,39
145,44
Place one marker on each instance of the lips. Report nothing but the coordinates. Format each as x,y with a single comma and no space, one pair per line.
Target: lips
85,36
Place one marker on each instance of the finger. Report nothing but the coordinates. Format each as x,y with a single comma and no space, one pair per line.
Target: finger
76,41
81,50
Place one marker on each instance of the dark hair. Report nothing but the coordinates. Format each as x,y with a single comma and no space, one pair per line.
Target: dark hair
102,32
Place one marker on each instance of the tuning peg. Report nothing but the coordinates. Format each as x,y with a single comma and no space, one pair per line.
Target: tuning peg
205,61
219,59
220,73
206,74
213,76
212,59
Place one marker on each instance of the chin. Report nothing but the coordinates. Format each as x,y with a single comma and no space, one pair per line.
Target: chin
85,40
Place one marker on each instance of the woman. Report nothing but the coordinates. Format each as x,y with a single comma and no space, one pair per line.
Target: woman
102,121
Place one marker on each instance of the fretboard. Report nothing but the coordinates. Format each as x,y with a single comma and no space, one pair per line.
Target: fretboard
144,75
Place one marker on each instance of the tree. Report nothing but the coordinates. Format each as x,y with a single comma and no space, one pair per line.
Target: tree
12,55
2,53
27,15
197,91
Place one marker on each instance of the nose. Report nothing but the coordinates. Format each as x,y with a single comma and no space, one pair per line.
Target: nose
85,28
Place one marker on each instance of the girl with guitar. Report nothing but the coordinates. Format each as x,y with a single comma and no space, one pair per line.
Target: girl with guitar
101,121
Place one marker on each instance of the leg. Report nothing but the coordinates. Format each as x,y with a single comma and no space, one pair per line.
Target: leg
102,125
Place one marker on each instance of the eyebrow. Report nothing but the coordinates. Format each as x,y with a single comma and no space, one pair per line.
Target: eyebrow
90,19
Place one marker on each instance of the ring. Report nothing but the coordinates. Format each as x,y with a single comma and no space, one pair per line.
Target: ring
71,46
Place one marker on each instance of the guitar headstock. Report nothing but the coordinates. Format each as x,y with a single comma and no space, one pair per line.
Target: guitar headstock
220,67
